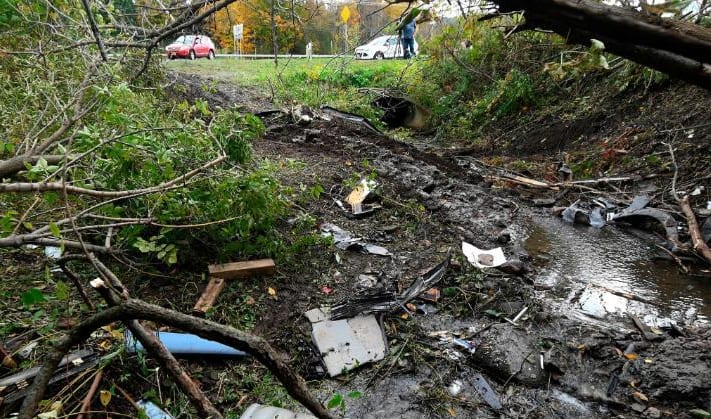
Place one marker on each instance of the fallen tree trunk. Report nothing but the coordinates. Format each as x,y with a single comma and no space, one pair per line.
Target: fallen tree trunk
679,48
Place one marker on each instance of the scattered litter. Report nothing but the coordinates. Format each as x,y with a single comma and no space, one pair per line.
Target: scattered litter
458,339
226,271
184,344
358,196
366,281
258,411
348,343
595,214
483,258
349,117
344,241
565,172
377,300
639,202
26,351
15,387
152,411
242,269
455,388
486,392
432,295
53,252
646,332
466,344
665,219
518,316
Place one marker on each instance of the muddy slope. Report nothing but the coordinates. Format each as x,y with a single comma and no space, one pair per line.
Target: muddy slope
545,365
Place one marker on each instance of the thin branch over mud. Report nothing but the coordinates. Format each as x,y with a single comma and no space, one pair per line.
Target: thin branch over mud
137,309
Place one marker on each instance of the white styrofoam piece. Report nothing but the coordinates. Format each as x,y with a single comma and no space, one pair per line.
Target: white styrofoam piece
347,344
473,255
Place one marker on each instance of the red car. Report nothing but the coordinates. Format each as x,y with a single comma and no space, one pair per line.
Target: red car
191,46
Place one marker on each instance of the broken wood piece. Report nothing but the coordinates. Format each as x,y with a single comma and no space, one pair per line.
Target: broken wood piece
523,181
208,297
242,269
646,332
694,231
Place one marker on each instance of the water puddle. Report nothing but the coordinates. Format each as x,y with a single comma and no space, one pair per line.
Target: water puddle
596,274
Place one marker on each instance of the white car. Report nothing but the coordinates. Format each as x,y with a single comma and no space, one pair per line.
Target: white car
381,47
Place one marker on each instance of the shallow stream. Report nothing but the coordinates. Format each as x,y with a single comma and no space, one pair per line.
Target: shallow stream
600,275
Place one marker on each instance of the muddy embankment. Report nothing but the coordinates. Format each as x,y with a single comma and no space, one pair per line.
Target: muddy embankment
563,356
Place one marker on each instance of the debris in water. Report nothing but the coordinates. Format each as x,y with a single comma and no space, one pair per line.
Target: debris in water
486,392
646,332
348,343
483,258
665,219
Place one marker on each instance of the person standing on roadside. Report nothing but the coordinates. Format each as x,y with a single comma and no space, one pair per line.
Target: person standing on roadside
309,50
408,39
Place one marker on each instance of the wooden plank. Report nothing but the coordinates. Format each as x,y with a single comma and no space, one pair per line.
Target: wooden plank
208,297
242,269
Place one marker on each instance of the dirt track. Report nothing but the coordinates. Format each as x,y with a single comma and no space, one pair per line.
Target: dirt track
430,204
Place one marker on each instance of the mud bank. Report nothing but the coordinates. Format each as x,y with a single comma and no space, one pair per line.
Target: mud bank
548,364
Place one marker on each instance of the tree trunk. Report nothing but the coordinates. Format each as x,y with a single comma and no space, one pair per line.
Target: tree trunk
678,48
275,43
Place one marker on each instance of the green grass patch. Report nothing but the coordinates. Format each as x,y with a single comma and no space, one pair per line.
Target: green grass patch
337,82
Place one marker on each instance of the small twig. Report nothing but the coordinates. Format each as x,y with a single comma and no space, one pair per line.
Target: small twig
76,281
676,172
678,261
86,404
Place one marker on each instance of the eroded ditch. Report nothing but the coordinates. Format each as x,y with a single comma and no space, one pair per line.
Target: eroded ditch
552,363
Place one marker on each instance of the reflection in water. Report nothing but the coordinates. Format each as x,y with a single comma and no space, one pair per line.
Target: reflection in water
595,268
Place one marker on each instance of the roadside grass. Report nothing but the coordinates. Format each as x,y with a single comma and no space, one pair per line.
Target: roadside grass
339,82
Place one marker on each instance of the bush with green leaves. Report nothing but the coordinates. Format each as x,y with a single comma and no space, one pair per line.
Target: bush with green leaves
123,134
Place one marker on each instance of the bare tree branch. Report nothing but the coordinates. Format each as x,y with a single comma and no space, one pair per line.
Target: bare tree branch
95,30
75,190
136,309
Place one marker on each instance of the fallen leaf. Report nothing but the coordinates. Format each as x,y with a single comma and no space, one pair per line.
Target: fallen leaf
452,412
105,345
271,291
617,351
411,307
581,347
105,397
326,289
639,396
656,330
404,316
631,356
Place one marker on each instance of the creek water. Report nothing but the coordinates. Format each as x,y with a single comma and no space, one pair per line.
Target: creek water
600,275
